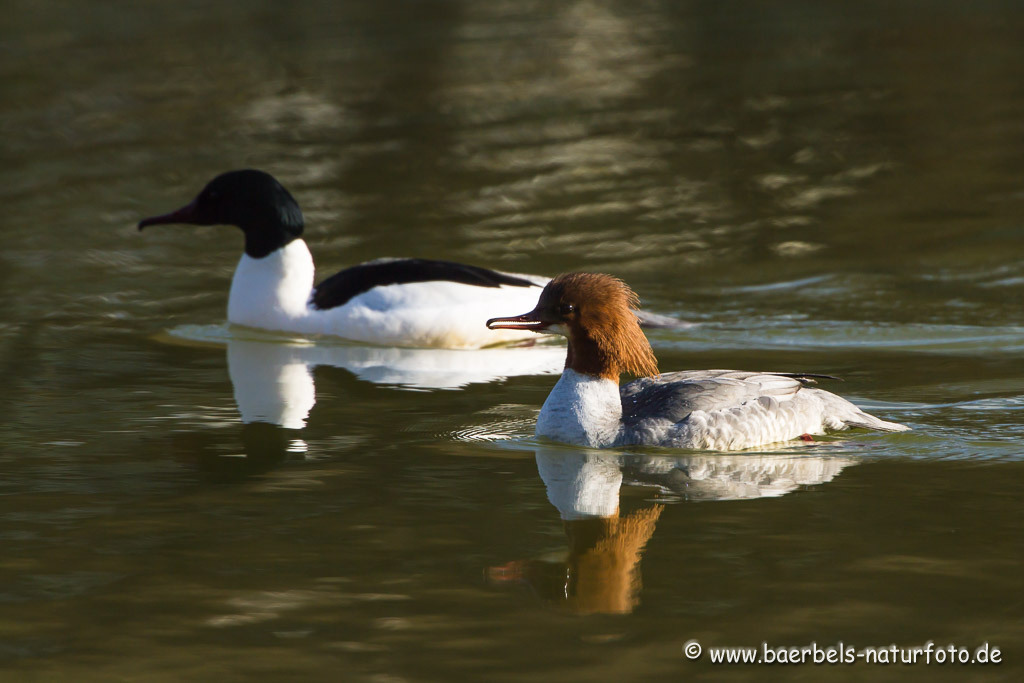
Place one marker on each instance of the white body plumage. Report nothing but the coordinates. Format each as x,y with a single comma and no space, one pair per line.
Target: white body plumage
273,293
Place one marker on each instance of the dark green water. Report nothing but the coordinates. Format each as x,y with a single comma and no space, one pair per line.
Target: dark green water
823,187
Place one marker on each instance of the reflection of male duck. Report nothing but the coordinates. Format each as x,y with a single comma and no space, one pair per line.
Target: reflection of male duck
275,389
601,572
274,383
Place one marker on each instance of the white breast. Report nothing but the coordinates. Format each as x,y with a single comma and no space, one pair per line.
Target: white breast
272,292
581,409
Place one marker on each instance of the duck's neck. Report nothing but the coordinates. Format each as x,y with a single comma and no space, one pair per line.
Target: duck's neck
582,409
586,357
272,291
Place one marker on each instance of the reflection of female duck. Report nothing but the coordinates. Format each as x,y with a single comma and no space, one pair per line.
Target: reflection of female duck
586,484
733,477
601,572
604,561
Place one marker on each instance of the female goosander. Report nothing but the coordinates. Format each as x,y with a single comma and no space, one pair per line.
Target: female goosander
706,409
394,302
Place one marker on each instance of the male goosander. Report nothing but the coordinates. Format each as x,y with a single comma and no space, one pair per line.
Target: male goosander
703,409
394,302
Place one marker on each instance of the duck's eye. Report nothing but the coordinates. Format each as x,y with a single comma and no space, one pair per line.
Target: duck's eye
566,309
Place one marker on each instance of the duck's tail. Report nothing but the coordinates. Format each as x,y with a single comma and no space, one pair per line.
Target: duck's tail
841,414
866,421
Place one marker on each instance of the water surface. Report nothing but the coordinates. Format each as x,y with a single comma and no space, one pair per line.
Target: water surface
817,188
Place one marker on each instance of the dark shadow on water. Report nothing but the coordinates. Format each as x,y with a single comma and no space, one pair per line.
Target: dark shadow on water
260,447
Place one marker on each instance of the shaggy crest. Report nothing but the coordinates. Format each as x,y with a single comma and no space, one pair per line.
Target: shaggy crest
604,334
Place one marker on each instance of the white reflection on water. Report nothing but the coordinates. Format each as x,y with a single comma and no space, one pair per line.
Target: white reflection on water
600,573
586,483
273,381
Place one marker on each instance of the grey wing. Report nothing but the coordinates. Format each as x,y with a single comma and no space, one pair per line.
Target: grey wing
674,395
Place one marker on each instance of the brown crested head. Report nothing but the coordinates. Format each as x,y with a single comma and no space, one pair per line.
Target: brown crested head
595,312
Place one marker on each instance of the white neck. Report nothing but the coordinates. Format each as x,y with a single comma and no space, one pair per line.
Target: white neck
582,409
272,292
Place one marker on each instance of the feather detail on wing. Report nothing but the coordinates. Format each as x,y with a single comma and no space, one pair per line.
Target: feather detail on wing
730,410
674,395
